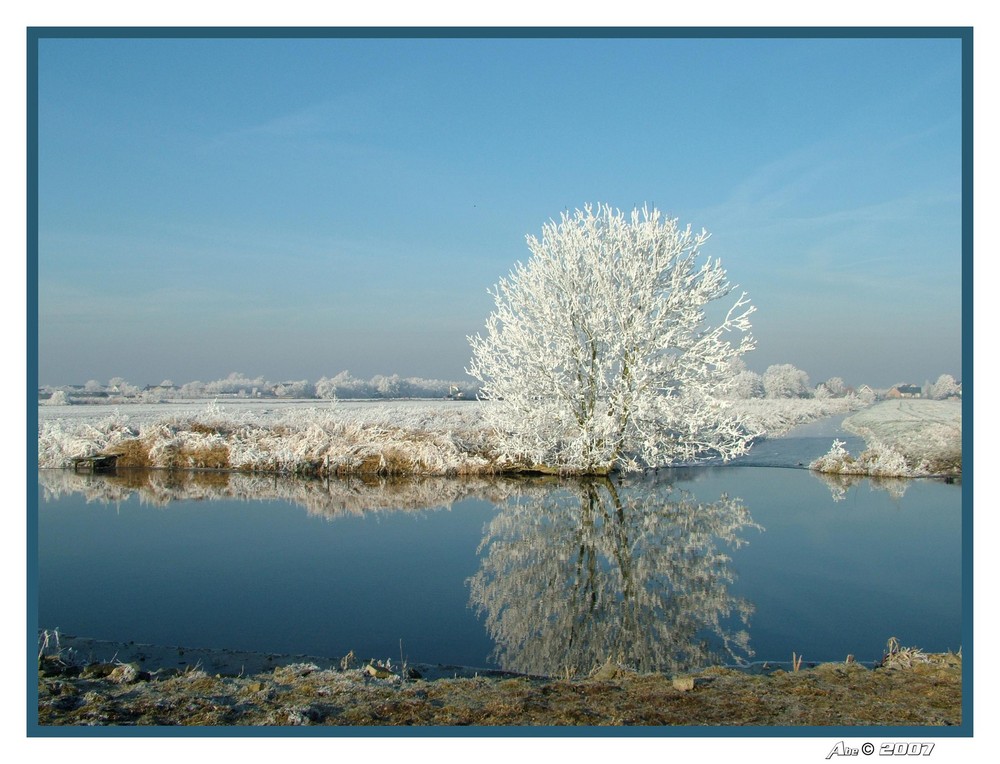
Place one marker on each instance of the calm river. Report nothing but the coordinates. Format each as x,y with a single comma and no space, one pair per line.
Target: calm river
663,572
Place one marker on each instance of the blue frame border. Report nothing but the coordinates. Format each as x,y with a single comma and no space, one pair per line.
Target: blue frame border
964,34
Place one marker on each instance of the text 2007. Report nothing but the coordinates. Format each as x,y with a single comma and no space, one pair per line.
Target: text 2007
906,749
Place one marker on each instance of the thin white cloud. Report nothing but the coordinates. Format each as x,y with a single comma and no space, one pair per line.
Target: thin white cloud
350,115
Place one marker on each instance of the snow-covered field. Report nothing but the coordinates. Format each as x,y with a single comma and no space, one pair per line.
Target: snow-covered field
422,437
258,407
908,437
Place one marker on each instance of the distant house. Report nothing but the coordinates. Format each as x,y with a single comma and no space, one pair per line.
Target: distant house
903,391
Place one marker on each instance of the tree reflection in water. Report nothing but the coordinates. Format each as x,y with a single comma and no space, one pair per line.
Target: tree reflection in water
588,571
572,573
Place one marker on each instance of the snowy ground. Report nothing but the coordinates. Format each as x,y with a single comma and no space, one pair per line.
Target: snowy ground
906,421
424,437
145,413
908,437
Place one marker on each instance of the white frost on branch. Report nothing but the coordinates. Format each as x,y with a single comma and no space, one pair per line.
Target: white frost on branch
599,356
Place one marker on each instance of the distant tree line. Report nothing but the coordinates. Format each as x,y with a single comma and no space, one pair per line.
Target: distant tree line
777,381
238,385
784,380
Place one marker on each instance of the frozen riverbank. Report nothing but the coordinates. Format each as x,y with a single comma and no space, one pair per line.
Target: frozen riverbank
341,438
903,438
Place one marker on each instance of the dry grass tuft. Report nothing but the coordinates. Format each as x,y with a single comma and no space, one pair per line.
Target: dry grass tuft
213,456
132,454
897,656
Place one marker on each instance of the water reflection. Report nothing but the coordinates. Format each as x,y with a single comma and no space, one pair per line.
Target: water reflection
571,572
326,498
341,496
574,575
546,575
840,485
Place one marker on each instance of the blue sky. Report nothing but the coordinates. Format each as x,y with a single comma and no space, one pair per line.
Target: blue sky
293,208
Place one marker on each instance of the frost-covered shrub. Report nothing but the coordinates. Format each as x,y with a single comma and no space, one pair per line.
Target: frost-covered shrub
58,398
878,459
447,439
599,355
926,435
833,460
62,440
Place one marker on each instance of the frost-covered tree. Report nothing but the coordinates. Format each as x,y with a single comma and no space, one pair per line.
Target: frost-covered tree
326,388
745,385
834,387
599,354
387,387
343,385
945,387
195,389
783,380
298,389
121,386
234,383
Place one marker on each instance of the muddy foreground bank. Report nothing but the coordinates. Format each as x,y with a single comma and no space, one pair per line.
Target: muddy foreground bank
908,688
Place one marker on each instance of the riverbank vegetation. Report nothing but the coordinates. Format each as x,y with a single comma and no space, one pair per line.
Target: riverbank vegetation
427,438
903,438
